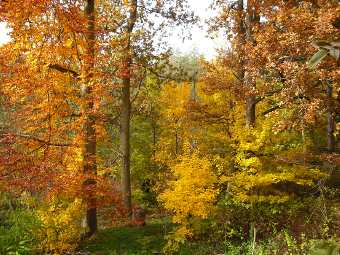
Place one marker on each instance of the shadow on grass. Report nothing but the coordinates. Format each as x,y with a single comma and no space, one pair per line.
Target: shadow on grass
147,240
130,240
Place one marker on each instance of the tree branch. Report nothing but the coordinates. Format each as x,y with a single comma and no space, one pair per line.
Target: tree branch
29,137
271,110
63,69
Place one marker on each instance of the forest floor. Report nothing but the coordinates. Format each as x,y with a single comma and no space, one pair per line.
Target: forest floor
152,238
140,240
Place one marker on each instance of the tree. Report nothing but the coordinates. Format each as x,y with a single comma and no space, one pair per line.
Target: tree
90,142
252,19
239,19
324,49
284,47
56,118
138,53
126,107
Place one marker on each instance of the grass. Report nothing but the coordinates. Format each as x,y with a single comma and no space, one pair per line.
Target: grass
145,240
130,240
150,240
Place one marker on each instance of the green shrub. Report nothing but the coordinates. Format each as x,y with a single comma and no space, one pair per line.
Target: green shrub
19,226
330,247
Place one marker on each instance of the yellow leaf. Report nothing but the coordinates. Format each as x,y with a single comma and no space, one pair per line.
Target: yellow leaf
69,43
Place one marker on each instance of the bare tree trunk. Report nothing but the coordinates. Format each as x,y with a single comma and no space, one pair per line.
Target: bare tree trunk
126,111
251,110
89,149
244,35
154,136
125,144
193,98
252,17
246,20
331,120
241,41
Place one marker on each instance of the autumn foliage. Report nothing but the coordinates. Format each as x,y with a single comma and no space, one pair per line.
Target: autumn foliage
101,126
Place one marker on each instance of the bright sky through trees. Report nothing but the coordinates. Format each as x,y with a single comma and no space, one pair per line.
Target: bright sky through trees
199,41
4,37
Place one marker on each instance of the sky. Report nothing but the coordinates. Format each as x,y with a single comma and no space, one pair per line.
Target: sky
4,37
199,41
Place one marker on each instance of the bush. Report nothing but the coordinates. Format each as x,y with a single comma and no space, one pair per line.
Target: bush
61,226
19,226
190,196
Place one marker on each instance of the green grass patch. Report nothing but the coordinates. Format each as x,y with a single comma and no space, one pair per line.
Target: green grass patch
149,240
130,240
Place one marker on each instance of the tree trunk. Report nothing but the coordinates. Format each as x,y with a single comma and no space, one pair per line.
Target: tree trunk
154,136
126,110
241,41
244,36
250,111
89,149
252,17
193,98
125,144
331,120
